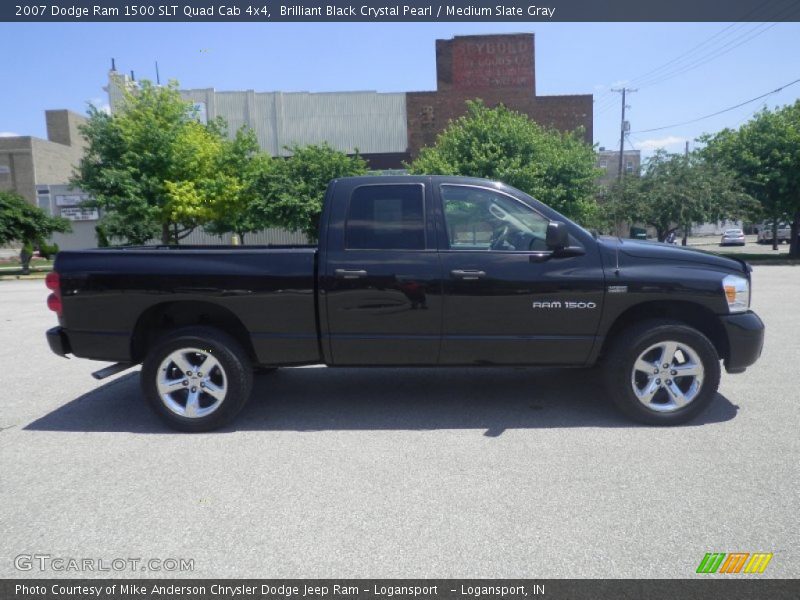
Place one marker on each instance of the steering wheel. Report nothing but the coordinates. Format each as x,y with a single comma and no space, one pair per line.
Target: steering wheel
499,240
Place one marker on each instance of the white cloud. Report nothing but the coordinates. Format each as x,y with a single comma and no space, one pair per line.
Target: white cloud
101,104
671,142
8,134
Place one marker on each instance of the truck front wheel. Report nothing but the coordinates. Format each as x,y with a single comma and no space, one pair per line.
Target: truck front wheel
662,372
197,378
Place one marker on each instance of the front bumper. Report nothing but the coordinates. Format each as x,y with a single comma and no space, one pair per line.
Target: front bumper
58,341
745,333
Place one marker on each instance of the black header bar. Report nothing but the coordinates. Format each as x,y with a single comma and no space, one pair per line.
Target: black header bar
523,11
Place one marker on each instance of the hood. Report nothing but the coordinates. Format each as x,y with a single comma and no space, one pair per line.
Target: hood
661,252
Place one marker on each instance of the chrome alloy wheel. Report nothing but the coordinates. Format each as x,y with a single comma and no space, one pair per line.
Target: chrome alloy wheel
667,376
191,383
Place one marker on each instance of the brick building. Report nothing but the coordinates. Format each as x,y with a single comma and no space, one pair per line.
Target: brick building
608,162
390,128
498,69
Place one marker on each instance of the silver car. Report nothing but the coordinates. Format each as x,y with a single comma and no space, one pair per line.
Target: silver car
732,237
765,233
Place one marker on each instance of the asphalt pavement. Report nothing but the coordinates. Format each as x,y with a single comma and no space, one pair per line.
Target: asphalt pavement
396,473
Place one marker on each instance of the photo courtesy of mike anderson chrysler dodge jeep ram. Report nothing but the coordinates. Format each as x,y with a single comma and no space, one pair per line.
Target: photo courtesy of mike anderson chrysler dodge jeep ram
411,271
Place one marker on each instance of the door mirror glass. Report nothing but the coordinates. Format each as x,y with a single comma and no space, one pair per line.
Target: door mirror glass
557,235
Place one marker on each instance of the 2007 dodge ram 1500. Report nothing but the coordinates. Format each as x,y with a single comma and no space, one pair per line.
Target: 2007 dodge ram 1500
412,271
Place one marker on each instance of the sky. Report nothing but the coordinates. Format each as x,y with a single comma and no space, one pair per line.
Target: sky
682,70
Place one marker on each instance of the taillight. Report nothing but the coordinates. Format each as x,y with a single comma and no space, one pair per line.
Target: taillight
53,282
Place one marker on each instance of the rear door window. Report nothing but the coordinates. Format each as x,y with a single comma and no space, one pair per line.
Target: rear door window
386,217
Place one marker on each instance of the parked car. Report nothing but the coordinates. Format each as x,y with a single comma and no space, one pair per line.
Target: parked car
765,233
732,237
412,271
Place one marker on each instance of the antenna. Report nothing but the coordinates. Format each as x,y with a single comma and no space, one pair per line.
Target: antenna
133,77
113,64
158,77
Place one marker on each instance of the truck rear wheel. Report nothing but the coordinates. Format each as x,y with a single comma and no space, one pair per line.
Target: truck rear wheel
662,372
197,378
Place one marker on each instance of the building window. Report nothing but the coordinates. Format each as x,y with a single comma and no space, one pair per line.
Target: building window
604,165
629,166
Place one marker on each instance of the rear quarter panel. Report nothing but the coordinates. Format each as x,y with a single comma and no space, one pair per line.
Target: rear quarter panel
270,291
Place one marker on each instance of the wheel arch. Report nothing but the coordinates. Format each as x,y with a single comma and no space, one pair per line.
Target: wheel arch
689,313
164,317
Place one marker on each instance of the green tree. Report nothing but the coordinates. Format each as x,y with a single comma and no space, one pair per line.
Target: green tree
765,155
290,193
496,143
153,167
675,191
242,162
22,222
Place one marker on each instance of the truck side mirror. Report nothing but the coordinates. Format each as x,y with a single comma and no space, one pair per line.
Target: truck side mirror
557,235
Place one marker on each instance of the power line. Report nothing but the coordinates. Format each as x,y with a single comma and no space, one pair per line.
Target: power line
709,54
690,62
606,103
709,57
719,112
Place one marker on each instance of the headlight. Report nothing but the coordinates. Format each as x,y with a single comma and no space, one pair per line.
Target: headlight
737,293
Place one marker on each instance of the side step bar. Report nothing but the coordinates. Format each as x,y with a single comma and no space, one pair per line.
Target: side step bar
111,370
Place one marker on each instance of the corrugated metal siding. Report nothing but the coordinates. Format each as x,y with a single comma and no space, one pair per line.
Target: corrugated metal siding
267,236
368,121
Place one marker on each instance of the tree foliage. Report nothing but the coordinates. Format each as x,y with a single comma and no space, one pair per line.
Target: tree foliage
675,191
243,166
290,193
765,155
153,167
497,143
22,222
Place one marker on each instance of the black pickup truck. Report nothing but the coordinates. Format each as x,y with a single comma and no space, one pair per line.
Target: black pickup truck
411,271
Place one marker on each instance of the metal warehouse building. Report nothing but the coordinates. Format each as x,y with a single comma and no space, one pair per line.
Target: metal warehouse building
390,128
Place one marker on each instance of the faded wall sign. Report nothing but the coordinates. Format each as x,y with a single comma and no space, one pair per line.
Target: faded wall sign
493,63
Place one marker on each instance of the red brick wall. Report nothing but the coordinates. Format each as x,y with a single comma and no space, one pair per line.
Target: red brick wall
428,113
499,69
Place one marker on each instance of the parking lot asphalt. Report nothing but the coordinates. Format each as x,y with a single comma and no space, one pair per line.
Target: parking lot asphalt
712,244
398,473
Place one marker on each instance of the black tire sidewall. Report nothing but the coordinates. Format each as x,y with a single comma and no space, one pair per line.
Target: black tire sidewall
232,358
631,343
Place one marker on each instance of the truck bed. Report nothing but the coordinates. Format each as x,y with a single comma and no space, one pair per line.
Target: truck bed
268,292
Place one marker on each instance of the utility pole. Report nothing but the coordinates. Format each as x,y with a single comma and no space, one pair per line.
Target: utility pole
623,128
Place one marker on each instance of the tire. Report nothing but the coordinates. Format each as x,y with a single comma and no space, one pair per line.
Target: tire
219,394
677,398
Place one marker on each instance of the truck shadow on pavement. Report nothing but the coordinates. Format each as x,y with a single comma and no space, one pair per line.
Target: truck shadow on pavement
321,399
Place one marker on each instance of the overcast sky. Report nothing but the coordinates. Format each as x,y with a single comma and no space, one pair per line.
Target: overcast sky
683,71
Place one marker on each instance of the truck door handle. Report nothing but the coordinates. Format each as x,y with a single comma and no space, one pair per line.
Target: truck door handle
350,273
468,275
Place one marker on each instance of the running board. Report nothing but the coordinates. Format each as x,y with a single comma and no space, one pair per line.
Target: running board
111,370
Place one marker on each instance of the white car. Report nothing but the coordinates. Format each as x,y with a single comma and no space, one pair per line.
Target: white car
732,237
765,233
